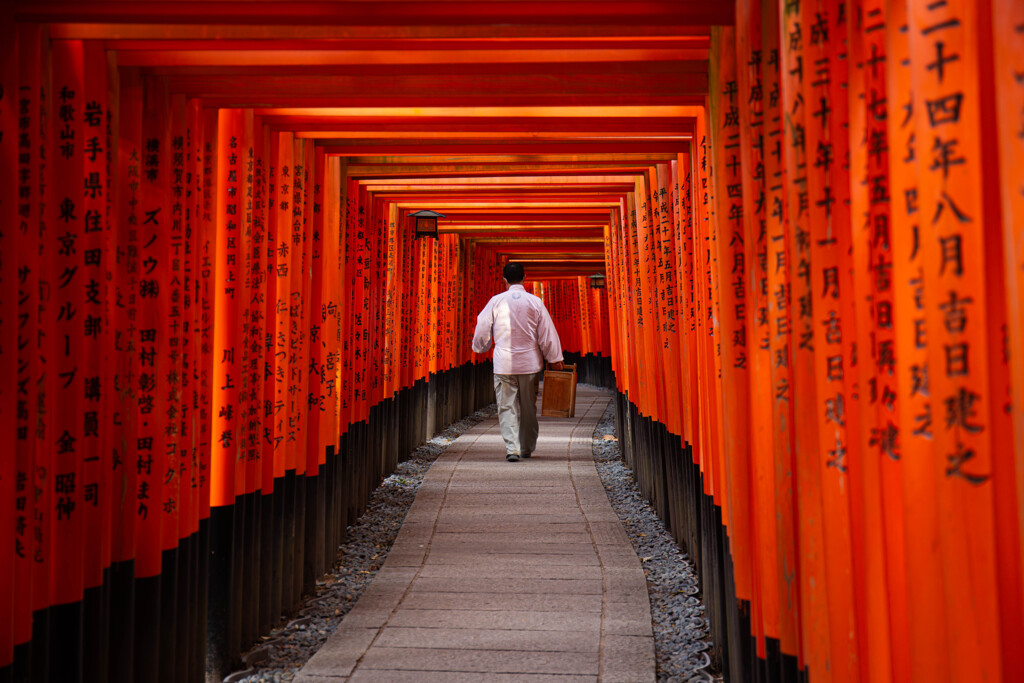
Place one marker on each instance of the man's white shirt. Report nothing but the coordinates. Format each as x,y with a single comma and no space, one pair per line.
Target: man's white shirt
520,328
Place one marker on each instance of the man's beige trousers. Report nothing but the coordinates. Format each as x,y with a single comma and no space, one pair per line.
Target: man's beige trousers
517,411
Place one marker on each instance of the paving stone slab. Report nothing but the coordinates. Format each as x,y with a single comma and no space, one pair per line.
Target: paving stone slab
423,515
618,557
491,516
536,602
484,512
481,509
361,618
587,483
391,579
431,492
510,619
370,615
608,533
376,676
627,658
381,598
341,652
540,473
426,513
479,661
416,532
592,498
406,557
511,501
602,513
458,572
513,535
519,545
522,585
309,678
513,564
627,619
489,639
524,524
625,586
534,484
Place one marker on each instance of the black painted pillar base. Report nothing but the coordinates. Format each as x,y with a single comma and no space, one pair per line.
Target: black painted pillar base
66,642
147,628
169,575
96,637
41,646
121,651
21,669
199,642
218,653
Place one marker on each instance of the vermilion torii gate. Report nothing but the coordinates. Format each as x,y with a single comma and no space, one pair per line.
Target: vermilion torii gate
217,333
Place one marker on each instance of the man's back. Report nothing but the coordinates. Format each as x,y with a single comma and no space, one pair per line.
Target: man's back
519,326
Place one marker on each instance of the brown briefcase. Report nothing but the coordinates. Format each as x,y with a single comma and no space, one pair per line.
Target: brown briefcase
559,397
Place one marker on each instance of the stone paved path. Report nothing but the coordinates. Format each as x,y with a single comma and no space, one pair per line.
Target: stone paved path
503,571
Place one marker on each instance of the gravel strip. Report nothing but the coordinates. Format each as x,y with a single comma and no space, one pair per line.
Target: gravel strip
680,629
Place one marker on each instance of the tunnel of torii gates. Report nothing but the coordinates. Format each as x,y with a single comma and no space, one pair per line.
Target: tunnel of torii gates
219,332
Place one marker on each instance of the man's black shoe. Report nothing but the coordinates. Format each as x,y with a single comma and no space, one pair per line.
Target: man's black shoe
526,455
512,457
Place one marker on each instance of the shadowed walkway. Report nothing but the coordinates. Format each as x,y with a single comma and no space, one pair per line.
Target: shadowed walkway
503,571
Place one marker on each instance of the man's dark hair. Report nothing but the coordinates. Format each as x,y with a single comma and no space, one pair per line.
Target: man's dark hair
513,273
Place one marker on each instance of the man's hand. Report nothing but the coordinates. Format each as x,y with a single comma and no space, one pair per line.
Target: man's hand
558,365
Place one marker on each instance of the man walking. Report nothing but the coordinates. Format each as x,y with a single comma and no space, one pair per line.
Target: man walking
520,327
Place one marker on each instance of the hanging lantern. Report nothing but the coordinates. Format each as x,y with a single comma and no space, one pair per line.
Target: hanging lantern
597,281
424,222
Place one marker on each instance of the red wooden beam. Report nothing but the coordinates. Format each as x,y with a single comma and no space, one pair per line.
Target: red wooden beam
416,45
364,148
386,13
391,58
66,29
445,89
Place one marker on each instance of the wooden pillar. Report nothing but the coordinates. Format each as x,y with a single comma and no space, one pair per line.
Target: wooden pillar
733,258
